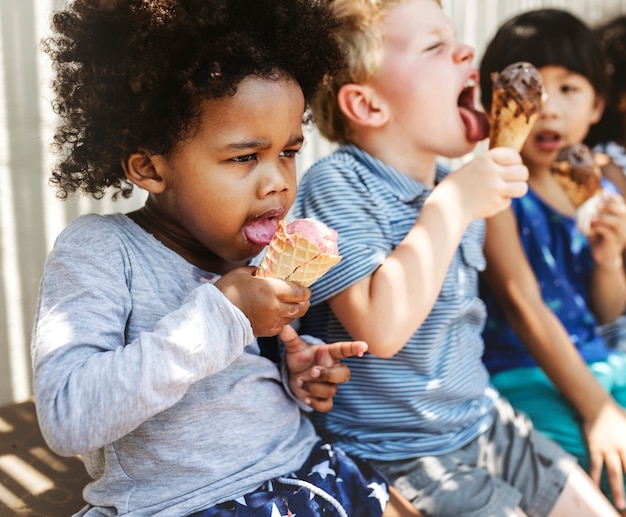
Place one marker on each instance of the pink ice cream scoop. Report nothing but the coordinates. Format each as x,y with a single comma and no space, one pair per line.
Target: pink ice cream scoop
301,251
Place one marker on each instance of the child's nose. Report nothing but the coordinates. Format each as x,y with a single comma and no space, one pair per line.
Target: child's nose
464,53
274,180
549,107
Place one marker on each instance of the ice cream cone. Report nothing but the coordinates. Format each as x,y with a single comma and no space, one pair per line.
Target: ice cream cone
295,258
577,172
515,104
510,126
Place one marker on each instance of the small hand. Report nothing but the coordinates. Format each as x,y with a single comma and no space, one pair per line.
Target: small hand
268,303
606,438
315,370
490,181
608,231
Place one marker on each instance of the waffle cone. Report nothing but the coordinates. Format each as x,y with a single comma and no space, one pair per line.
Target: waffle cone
510,125
577,192
294,258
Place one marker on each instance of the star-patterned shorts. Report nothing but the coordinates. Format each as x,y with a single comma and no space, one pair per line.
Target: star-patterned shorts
330,483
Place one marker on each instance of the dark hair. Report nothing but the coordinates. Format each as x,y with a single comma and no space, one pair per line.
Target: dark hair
544,37
612,36
132,74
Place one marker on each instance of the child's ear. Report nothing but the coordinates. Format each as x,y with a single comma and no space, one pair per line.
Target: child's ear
621,105
598,110
361,105
140,169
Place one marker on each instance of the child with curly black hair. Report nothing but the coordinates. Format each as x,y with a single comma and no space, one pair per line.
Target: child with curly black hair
144,350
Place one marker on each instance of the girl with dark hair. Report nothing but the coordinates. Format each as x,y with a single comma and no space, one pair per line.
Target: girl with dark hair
547,286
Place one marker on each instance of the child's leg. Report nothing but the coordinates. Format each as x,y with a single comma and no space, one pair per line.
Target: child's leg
399,506
530,391
508,471
581,497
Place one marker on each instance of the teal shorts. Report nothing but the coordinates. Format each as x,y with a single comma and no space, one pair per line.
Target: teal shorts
529,390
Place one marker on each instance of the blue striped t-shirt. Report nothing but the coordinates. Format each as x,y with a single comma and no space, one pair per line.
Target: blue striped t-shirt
433,396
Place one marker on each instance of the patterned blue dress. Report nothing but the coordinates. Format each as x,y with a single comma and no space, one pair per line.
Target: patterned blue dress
561,260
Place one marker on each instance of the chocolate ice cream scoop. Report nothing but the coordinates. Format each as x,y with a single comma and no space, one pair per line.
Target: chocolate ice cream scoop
301,251
521,82
578,173
516,103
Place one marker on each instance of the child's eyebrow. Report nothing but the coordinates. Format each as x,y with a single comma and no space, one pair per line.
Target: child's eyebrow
262,144
296,140
247,144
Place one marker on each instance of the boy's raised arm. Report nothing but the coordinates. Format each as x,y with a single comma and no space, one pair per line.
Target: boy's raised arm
387,307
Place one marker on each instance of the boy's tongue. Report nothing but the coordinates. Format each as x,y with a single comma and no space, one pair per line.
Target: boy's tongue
476,124
261,230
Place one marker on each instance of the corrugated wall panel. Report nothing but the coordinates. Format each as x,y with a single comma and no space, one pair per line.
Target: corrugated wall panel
30,215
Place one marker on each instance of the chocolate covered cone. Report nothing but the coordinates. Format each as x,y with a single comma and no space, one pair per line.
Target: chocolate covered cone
516,102
510,126
578,174
294,258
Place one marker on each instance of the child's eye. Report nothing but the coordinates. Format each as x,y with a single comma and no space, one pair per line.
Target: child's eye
245,158
290,153
434,46
568,88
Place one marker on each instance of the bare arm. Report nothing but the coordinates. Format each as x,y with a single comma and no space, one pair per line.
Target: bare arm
387,307
513,282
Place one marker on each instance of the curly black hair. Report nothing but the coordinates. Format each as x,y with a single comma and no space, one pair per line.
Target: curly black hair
132,74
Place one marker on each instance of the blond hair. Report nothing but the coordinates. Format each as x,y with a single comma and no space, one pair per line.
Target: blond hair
360,38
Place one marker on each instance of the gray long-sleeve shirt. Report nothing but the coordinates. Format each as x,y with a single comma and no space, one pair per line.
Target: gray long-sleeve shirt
142,366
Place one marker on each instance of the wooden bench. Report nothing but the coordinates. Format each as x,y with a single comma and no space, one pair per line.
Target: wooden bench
34,481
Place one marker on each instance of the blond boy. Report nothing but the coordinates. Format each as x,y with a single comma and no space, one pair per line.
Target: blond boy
419,404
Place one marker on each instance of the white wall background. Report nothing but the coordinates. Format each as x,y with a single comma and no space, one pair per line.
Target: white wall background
31,216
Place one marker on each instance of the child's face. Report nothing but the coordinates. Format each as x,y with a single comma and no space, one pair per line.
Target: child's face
569,108
237,175
424,69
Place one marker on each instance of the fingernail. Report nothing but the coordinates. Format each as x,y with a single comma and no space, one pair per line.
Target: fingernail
299,382
315,372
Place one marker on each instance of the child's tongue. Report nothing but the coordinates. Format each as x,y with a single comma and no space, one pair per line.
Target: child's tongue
261,230
476,124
